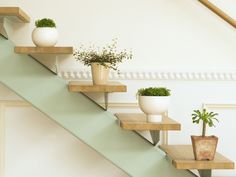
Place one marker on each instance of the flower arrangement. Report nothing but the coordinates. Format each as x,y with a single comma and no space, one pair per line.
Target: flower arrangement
108,56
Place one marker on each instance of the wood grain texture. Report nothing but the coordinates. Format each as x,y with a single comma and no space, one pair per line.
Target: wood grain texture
136,121
43,50
84,86
183,158
17,12
219,12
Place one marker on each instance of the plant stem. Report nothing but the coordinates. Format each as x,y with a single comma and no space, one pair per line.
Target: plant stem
204,129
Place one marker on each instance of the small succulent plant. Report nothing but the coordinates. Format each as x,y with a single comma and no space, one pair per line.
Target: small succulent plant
207,118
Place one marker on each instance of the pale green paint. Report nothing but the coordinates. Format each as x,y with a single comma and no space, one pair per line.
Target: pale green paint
81,117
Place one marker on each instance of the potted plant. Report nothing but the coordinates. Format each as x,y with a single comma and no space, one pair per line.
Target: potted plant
154,101
101,61
45,34
204,147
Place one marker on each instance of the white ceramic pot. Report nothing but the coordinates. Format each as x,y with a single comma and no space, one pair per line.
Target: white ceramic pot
45,36
100,73
154,106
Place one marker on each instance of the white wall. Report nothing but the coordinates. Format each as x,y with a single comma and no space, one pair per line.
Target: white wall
161,33
37,146
184,45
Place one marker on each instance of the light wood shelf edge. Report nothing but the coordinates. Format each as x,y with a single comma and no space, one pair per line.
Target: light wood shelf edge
80,86
137,122
182,158
43,50
219,12
15,11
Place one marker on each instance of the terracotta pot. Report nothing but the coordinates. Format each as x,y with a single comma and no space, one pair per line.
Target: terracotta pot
100,73
154,106
204,148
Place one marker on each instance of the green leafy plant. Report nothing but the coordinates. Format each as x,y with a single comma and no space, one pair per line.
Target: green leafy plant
45,22
207,118
154,91
108,54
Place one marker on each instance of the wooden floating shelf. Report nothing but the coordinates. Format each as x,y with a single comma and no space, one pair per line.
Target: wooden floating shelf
183,158
44,50
136,121
14,14
80,86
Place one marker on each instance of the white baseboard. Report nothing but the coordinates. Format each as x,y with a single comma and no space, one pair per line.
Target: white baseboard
3,105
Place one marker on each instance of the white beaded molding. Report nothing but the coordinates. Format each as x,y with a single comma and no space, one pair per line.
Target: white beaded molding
71,74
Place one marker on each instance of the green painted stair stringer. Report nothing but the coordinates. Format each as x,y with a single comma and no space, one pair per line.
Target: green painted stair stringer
81,117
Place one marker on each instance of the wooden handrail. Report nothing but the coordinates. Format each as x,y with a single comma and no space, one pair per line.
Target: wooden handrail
219,12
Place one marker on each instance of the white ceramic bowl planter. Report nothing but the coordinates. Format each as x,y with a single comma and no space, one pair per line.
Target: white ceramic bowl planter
154,106
100,73
45,34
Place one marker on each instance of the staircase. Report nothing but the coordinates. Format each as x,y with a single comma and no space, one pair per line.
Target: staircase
80,116
88,121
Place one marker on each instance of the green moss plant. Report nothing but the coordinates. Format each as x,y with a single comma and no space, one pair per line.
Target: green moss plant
154,91
45,22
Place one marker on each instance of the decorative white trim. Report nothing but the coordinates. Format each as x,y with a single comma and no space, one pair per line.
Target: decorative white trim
76,74
218,106
3,105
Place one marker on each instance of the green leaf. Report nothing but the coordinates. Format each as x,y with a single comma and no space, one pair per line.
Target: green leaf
203,116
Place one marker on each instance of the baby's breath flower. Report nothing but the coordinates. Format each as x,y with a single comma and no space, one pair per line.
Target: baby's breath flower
108,54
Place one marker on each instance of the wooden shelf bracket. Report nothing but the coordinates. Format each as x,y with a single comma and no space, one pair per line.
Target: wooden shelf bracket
13,14
155,135
137,122
3,30
47,56
205,173
106,100
88,87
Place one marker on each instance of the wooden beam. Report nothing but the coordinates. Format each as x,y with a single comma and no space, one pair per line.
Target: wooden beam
137,121
219,12
182,158
17,12
43,50
84,86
